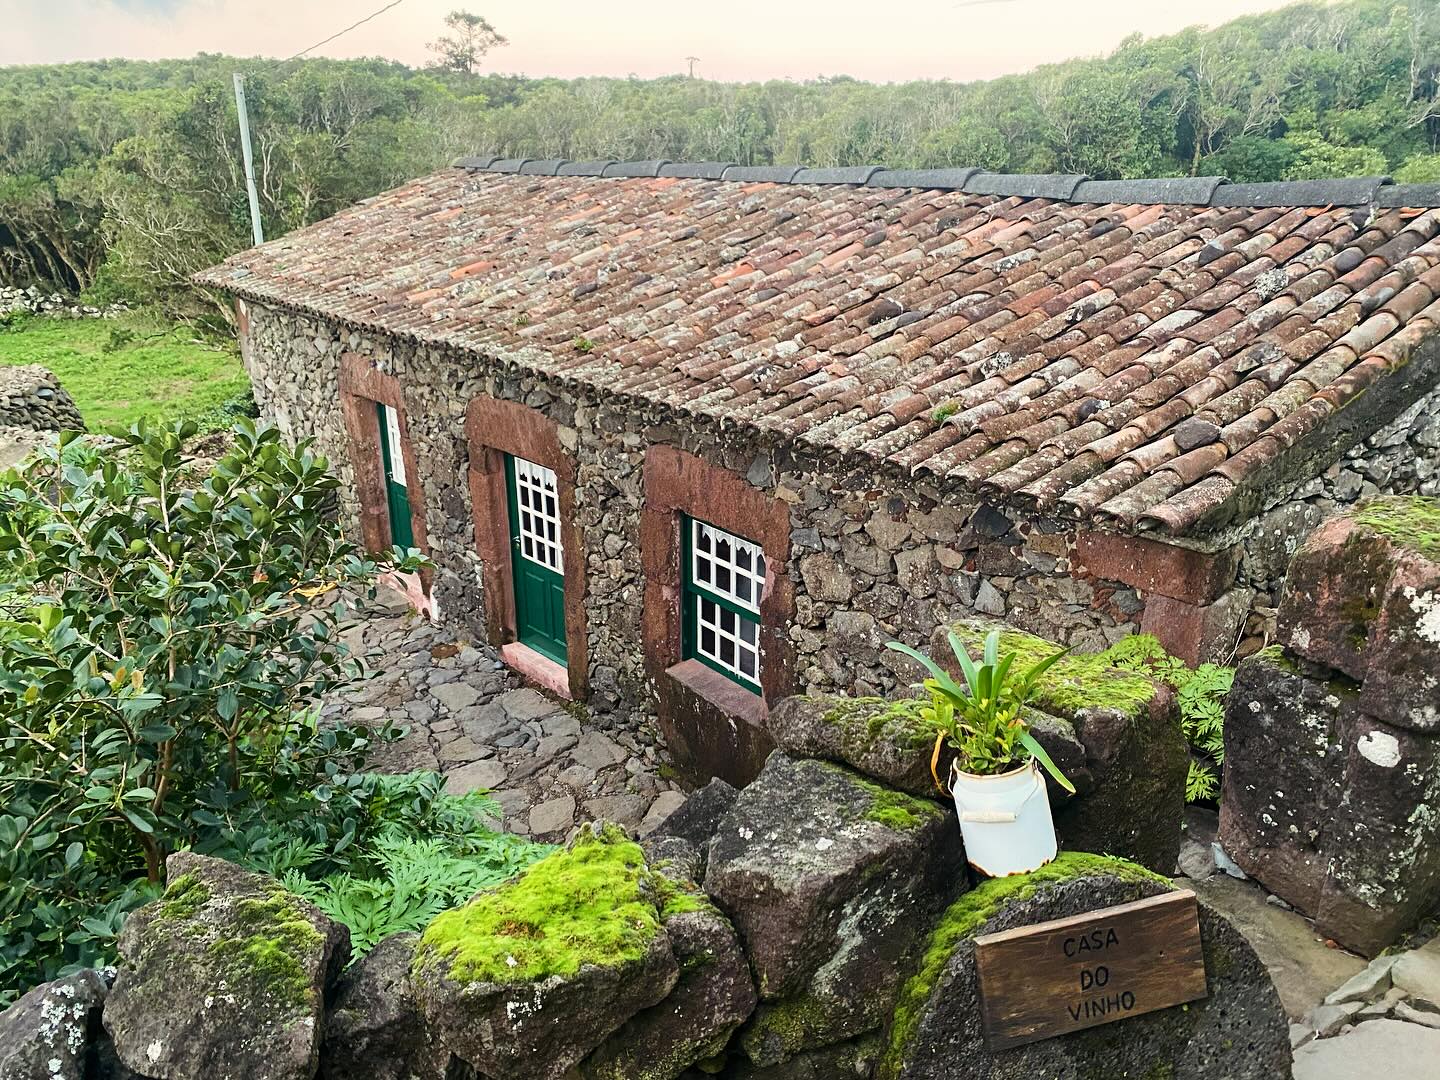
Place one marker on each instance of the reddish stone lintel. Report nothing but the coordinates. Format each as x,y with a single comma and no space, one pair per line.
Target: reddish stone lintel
1196,577
538,669
1198,633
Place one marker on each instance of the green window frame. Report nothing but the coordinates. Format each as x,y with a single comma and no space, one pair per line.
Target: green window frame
723,576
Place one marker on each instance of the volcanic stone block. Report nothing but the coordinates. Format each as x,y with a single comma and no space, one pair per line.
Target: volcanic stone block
1384,846
531,976
225,975
892,741
1284,765
1135,752
375,1028
1239,1032
1333,594
1402,665
832,882
714,995
700,815
844,1061
47,1034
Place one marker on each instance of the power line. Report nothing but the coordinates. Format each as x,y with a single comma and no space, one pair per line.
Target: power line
342,33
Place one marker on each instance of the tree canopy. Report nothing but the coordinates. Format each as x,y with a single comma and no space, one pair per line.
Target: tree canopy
123,177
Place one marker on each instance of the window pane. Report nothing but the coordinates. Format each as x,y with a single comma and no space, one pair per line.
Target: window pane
749,631
747,663
742,587
727,651
537,513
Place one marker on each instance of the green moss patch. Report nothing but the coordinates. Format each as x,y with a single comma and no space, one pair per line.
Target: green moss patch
965,917
183,897
893,809
1409,521
1077,681
906,723
594,904
272,936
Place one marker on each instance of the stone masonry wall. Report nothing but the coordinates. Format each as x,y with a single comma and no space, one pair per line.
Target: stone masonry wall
871,559
869,564
31,397
1402,458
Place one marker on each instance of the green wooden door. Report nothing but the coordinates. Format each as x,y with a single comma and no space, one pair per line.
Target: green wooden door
397,493
538,558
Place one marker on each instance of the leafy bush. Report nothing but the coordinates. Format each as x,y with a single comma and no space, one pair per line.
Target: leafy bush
1201,692
158,653
224,416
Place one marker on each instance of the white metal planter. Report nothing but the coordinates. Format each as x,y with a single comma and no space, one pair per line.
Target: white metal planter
1005,820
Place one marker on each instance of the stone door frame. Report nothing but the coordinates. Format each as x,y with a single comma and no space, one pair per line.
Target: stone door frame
495,427
362,388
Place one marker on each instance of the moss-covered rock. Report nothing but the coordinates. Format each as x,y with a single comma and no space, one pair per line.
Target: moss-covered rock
1239,1032
892,741
714,995
1132,801
225,974
832,881
1363,596
531,976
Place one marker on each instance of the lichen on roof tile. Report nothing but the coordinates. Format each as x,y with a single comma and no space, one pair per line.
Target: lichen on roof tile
1039,351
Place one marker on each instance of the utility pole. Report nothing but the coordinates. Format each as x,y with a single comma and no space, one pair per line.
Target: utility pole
692,61
255,226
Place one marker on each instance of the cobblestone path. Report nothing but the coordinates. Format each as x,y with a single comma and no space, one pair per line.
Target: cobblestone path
550,766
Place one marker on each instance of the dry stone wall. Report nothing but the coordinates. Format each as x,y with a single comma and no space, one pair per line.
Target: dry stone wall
32,398
869,563
818,924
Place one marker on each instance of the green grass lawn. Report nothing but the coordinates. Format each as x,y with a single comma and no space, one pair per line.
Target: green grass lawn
156,369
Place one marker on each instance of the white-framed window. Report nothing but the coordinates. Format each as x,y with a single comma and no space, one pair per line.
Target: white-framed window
538,510
724,581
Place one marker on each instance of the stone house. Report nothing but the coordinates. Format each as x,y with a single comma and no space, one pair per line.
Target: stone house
693,437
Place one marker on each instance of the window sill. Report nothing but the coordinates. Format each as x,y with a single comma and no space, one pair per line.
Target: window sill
538,669
729,697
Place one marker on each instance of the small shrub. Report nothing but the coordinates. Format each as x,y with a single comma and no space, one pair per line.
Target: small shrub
984,720
158,657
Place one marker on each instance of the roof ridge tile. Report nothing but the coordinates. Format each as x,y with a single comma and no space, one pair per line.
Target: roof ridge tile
1215,191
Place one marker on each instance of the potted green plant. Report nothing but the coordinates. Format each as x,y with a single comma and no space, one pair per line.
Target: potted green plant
996,778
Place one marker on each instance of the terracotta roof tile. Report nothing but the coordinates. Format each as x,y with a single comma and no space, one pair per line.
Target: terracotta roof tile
1060,343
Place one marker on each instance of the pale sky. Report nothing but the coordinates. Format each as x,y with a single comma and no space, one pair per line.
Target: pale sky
879,40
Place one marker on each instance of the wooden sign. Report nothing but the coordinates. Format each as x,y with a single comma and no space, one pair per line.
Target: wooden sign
1044,980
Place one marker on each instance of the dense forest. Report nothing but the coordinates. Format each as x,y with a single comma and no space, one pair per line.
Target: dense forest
120,178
